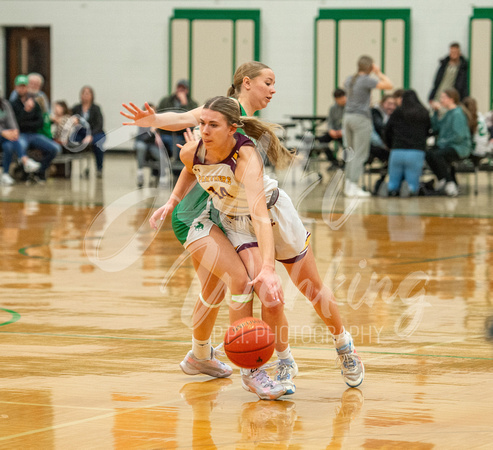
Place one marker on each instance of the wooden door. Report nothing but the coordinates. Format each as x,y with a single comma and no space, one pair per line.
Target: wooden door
28,50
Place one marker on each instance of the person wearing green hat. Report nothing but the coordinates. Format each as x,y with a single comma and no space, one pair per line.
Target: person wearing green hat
9,143
30,120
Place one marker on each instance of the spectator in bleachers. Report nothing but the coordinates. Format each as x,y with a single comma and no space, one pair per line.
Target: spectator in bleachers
397,94
36,82
61,122
380,115
34,86
357,124
10,145
451,73
146,145
479,131
179,101
334,123
92,132
489,124
405,134
30,121
453,142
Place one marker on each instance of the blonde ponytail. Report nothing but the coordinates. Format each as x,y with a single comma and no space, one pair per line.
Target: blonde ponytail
267,141
264,133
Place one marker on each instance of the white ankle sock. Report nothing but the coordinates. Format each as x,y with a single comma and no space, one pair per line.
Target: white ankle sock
285,355
201,349
340,340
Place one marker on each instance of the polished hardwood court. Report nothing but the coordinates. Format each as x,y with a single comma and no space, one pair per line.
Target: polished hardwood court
95,318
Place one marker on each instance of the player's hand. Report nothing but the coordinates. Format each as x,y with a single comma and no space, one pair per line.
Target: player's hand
270,286
141,117
160,214
189,137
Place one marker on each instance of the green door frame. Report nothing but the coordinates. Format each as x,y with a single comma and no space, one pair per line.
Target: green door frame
363,14
212,14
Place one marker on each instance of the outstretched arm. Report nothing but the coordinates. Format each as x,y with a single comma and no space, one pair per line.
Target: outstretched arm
171,121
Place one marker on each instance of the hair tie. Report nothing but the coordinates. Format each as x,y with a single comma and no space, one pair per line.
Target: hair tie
233,86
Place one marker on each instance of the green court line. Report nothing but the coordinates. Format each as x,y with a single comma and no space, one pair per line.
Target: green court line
15,317
181,341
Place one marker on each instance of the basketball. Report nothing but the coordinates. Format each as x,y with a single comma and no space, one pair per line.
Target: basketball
249,343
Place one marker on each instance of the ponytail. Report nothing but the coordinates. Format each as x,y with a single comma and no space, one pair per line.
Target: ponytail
267,141
231,91
262,132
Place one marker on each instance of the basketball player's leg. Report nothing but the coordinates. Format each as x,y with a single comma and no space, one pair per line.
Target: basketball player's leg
273,314
305,276
217,266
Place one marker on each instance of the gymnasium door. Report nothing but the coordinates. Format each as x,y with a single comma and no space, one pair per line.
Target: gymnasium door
342,36
206,46
481,59
28,50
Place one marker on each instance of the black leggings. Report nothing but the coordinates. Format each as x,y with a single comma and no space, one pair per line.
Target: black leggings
440,161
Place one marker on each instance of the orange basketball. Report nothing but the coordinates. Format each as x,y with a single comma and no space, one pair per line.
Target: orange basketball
249,343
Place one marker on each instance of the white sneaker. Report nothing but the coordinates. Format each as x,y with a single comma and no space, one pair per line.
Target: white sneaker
163,182
352,368
213,367
7,180
31,166
451,189
259,382
440,184
353,190
285,374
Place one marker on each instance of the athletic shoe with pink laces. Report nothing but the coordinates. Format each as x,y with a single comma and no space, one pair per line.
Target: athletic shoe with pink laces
213,367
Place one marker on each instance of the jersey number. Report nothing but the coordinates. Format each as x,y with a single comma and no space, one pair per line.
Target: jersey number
221,194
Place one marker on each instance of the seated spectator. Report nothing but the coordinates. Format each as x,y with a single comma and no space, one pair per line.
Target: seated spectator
146,145
179,101
30,120
479,131
61,122
9,144
92,133
334,122
397,94
489,125
380,115
405,134
34,86
453,142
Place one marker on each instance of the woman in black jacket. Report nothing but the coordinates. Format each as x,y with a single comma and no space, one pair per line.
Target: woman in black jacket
91,118
405,134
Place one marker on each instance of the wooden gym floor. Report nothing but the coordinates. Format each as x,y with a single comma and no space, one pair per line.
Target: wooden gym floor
95,316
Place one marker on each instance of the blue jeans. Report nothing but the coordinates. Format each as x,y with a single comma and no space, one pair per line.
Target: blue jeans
170,141
9,148
48,147
405,165
98,141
